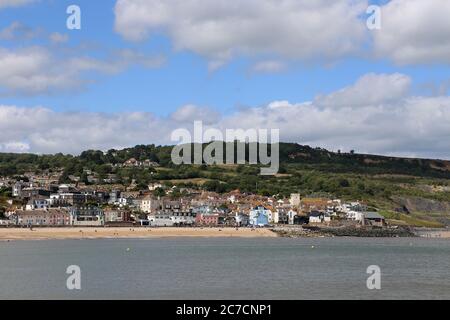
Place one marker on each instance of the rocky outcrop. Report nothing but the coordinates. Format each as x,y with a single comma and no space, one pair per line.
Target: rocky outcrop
417,204
369,232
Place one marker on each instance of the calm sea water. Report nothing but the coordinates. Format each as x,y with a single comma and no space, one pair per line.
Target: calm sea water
276,268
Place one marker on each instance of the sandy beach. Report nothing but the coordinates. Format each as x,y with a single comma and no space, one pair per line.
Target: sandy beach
120,233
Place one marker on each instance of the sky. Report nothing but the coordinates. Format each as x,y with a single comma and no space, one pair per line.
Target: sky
139,69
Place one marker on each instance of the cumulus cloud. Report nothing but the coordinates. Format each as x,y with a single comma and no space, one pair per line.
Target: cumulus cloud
47,131
18,31
222,29
371,89
57,37
400,124
14,3
414,32
268,66
190,113
36,70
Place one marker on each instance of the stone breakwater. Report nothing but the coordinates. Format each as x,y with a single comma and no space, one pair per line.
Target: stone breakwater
302,232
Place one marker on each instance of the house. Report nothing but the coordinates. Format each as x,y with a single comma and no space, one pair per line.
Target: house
42,217
149,204
123,202
274,216
68,199
295,200
373,219
283,215
314,204
117,216
259,216
161,220
34,192
132,162
316,217
17,189
241,220
207,219
37,203
167,218
355,215
114,196
154,186
86,216
183,218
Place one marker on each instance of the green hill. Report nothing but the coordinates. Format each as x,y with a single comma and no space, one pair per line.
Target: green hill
418,189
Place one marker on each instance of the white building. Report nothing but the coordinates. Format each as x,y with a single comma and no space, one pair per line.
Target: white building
160,220
154,186
291,216
37,204
149,204
355,215
295,200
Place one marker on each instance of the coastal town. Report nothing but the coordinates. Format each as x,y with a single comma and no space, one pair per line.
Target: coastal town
40,201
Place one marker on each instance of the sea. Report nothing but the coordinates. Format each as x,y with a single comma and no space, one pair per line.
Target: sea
226,268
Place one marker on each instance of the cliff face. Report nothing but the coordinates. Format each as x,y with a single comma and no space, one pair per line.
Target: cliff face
417,204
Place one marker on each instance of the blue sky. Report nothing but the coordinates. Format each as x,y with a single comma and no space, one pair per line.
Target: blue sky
183,76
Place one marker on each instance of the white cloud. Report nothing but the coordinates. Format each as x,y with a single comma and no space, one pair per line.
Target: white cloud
222,29
190,113
47,131
269,66
14,3
398,125
371,89
414,32
35,70
17,30
57,37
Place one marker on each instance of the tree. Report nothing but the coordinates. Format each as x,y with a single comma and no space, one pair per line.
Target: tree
159,192
64,178
84,178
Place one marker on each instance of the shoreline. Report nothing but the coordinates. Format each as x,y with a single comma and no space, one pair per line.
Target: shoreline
76,233
92,233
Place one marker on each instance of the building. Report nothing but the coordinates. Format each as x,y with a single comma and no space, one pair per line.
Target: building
259,216
34,192
68,199
166,218
316,217
154,186
161,220
47,217
38,203
17,189
373,219
295,200
86,216
207,219
114,197
117,216
183,218
236,220
291,217
149,204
